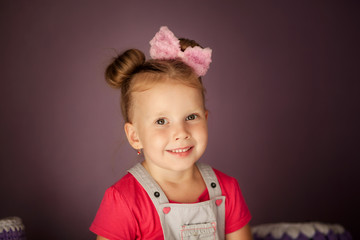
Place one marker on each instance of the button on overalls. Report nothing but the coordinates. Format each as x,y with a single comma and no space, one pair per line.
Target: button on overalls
187,221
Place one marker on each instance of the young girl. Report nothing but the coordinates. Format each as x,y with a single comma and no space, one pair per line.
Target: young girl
169,195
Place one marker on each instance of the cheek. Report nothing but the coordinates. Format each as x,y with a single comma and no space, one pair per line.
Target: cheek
155,138
201,132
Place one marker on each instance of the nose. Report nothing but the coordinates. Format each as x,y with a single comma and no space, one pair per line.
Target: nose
181,132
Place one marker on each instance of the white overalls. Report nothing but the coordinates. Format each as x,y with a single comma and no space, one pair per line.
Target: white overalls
187,221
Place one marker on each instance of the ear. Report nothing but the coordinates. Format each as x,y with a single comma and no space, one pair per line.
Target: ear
206,114
132,136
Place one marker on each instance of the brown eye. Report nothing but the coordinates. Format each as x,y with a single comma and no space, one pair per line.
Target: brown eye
191,117
161,121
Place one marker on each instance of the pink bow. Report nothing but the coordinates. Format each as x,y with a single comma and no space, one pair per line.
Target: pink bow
165,45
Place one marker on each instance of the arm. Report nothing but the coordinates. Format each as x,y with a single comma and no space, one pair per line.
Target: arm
113,219
241,234
101,238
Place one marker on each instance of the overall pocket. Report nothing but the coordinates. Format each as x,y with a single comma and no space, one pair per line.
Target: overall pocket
201,231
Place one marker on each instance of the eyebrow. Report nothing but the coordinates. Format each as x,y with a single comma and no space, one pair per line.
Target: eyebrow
160,114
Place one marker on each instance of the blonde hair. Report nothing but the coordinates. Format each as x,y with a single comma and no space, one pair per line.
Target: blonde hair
131,72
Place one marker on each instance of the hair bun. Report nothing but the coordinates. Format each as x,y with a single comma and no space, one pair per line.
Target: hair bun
124,67
185,43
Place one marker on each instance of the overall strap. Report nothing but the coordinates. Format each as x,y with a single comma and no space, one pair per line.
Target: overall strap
162,204
149,184
210,179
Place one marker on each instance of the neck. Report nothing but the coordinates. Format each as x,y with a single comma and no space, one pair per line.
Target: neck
179,186
168,176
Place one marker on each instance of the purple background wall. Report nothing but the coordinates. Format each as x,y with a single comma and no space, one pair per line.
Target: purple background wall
283,91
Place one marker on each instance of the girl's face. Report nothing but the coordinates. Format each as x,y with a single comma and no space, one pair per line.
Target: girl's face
170,125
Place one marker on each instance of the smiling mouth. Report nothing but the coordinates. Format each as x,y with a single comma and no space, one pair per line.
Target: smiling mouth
180,150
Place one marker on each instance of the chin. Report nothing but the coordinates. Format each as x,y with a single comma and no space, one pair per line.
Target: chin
183,165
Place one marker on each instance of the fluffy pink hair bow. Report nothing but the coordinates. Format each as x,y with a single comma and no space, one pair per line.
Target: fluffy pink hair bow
165,45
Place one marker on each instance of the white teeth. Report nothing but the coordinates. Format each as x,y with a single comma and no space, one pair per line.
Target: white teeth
180,150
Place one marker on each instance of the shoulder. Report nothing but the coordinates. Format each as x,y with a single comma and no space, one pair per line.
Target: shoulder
127,184
237,212
130,192
125,188
135,197
225,180
120,196
115,211
125,205
229,186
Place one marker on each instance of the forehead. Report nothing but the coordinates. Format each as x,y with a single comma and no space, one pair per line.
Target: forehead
167,96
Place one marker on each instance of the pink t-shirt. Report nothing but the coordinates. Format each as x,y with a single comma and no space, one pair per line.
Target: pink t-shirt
127,212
